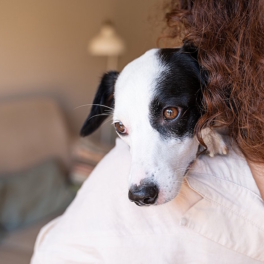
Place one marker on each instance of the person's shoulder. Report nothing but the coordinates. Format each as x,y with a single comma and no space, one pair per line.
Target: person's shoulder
231,212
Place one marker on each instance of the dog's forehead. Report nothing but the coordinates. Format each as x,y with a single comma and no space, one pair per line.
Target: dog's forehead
139,74
136,82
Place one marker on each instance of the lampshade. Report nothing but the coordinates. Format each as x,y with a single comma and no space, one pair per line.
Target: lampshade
107,42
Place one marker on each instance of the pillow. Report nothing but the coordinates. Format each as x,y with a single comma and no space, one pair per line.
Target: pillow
30,195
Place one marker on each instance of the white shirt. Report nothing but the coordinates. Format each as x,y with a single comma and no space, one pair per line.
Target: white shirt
217,218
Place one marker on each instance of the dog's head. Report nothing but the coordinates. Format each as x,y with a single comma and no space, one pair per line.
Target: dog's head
156,101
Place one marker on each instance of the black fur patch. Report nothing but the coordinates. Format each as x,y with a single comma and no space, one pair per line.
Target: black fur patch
179,85
104,96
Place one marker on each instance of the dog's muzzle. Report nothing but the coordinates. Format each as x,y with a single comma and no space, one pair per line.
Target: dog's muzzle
143,194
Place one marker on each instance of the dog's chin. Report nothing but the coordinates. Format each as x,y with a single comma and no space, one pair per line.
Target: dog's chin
166,199
169,191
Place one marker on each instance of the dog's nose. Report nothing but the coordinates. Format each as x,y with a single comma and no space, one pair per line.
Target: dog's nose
143,194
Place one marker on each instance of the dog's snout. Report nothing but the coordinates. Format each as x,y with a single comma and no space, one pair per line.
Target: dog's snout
143,194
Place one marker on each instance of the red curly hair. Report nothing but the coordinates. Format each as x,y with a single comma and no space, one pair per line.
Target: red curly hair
229,37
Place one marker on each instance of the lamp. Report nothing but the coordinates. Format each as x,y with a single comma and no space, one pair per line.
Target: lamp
107,43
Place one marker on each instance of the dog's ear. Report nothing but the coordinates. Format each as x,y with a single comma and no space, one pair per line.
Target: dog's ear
190,49
103,101
193,53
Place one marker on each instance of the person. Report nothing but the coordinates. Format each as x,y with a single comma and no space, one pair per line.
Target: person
218,216
229,36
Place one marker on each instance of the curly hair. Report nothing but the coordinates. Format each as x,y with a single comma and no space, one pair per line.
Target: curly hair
229,38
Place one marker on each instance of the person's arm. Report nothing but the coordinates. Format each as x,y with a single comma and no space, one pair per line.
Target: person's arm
258,175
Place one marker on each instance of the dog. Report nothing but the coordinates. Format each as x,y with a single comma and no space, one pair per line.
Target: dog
156,102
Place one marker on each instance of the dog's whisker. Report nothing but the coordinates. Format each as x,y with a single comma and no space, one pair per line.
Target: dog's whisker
93,105
109,112
107,122
96,116
181,169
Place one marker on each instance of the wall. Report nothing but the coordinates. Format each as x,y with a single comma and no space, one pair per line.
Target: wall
43,47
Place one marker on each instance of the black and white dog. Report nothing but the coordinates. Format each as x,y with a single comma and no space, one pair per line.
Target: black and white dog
157,103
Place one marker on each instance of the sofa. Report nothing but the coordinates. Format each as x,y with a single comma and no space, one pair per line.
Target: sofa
34,163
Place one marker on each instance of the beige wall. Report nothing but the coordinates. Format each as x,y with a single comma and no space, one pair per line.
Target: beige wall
43,46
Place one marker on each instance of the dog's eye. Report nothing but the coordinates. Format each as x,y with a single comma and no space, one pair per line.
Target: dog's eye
170,113
120,128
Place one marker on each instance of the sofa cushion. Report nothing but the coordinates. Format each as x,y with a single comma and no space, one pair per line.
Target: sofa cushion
30,195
